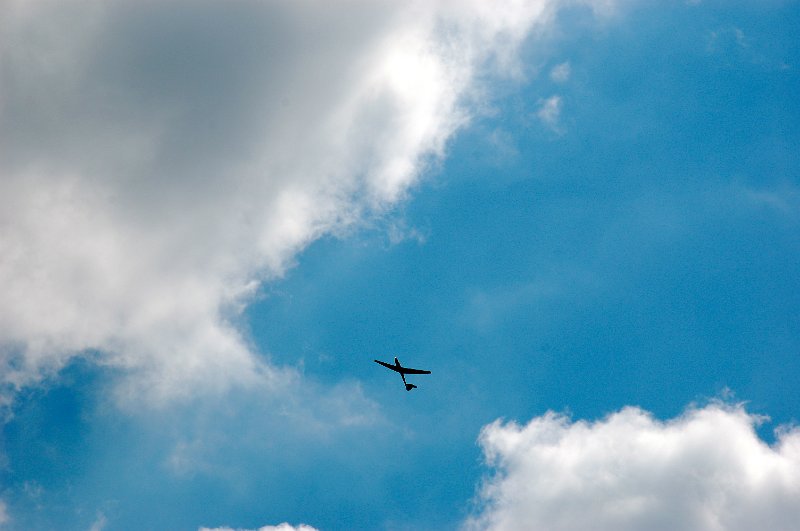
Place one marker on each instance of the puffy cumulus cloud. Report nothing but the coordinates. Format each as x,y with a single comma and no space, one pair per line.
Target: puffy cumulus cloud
706,470
159,160
280,527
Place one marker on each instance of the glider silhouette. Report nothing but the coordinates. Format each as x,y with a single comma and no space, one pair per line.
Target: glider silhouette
403,371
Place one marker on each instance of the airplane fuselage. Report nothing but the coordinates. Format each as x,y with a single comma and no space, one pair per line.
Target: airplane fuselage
403,371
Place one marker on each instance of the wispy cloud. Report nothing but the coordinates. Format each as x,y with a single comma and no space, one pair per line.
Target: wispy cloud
549,113
100,523
561,72
727,36
705,470
280,527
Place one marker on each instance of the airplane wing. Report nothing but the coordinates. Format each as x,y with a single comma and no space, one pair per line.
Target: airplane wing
406,370
402,370
388,366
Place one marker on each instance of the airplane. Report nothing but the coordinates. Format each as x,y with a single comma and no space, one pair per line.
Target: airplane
403,371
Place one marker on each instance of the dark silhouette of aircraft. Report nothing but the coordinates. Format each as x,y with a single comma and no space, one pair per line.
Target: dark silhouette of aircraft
403,371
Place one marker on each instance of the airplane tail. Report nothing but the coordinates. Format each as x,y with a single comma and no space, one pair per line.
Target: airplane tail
409,387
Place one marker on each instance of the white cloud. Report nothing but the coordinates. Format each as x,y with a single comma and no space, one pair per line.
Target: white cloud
4,519
550,113
706,470
561,72
160,160
280,527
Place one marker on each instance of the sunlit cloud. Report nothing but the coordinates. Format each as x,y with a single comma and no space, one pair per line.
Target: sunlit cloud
705,470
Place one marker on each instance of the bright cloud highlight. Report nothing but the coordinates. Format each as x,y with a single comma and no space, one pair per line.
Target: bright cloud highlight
706,470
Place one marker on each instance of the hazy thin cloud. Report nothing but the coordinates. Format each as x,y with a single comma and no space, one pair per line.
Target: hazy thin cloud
280,527
561,72
550,113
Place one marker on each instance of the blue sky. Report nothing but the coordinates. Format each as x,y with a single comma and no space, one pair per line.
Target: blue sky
616,225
